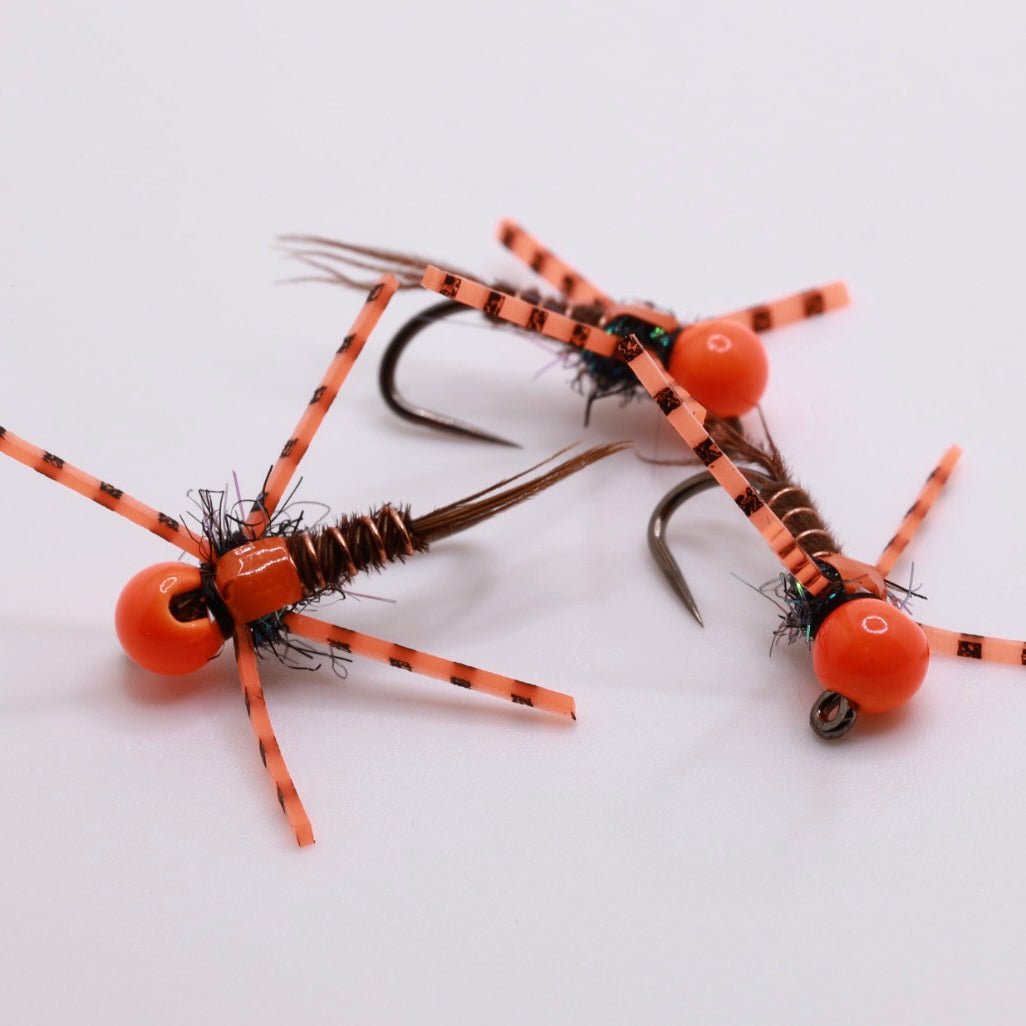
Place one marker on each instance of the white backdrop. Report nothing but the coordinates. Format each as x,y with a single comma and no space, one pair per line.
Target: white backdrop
687,852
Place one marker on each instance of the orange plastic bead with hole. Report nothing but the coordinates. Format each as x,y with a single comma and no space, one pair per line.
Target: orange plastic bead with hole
872,653
722,364
150,633
258,578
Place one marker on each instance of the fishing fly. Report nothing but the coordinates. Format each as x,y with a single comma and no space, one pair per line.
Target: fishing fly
720,360
259,571
868,654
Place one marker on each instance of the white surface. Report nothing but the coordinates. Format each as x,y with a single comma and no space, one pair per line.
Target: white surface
687,852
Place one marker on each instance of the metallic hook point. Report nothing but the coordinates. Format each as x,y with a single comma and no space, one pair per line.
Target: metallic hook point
665,508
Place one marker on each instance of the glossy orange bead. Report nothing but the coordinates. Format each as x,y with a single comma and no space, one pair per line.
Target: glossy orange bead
722,364
872,653
150,633
257,579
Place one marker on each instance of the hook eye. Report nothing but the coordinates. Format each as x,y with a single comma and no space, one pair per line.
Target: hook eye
832,716
398,403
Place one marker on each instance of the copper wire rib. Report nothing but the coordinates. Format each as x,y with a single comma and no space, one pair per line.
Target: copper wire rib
832,715
687,417
786,499
343,549
328,558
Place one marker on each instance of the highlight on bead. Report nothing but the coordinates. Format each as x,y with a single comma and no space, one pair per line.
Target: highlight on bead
261,568
868,654
724,364
720,360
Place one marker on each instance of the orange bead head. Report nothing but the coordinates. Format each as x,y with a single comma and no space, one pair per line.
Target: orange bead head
872,653
149,629
722,364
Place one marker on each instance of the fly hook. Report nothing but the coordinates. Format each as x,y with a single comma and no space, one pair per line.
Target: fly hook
832,715
721,359
399,404
665,508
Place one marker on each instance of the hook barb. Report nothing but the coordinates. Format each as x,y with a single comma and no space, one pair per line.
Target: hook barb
419,414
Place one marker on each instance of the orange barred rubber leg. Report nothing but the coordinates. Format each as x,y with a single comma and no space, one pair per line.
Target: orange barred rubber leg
270,752
548,266
324,395
686,417
517,691
789,309
917,511
518,311
101,492
975,646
